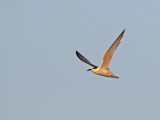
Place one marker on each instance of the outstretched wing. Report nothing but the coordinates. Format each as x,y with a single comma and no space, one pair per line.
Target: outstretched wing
82,58
109,53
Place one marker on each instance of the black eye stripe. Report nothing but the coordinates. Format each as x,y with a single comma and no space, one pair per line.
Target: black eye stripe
94,67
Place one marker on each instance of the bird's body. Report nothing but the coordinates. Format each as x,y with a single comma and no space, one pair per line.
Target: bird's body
103,69
103,72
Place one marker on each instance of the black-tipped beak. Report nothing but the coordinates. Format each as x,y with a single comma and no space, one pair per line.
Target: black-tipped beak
89,69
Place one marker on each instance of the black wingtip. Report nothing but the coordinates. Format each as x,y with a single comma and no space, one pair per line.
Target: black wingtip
123,31
77,53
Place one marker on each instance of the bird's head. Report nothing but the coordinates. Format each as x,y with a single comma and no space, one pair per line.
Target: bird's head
91,68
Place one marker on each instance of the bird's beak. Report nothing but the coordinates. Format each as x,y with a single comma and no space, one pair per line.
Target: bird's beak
89,69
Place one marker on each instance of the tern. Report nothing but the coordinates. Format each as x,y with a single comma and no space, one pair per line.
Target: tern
103,69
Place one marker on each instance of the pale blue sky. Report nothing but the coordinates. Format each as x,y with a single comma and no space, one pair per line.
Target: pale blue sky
41,77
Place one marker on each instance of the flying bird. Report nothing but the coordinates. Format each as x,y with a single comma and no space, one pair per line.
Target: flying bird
103,69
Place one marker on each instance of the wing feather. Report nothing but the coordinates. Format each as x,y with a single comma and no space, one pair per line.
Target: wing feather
82,58
109,53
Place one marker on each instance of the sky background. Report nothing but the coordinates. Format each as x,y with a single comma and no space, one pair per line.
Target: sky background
42,79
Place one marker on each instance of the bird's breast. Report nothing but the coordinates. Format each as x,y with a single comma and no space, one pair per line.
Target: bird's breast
101,71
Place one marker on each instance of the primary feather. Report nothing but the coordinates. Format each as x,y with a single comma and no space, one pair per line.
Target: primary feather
109,53
82,58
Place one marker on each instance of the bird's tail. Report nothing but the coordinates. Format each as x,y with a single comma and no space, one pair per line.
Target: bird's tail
113,76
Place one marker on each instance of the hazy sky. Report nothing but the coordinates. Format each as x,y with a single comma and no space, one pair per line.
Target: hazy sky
42,79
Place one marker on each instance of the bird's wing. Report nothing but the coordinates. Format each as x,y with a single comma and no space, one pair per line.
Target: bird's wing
82,58
109,53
